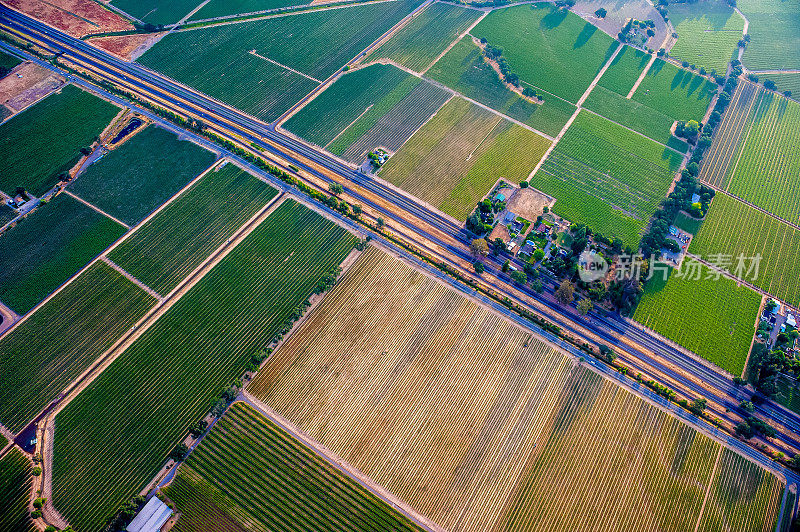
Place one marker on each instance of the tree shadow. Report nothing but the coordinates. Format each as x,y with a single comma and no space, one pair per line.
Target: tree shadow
763,107
553,19
656,68
584,36
680,79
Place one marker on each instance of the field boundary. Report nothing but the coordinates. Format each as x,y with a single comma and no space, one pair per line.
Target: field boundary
133,279
95,208
290,69
456,41
708,489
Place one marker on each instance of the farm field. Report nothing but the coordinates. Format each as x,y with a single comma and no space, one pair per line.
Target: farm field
132,180
68,333
44,140
708,34
46,248
379,105
421,41
464,70
114,436
652,461
217,59
408,381
247,459
15,487
6,214
541,43
222,8
507,430
179,238
477,144
786,82
788,393
763,167
155,11
7,62
675,92
714,318
733,228
607,177
775,34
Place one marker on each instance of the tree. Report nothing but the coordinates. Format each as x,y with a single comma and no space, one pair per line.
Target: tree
585,306
519,277
747,406
498,246
565,292
523,184
179,452
692,128
479,267
601,13
335,189
474,224
479,247
536,284
697,406
506,266
538,255
380,223
357,209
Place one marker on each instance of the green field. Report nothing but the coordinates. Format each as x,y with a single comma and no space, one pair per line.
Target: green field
421,41
607,177
247,459
222,8
715,318
216,59
464,70
6,214
786,82
675,92
174,242
67,334
542,44
734,228
156,11
7,62
788,393
112,438
763,167
44,140
708,33
609,99
456,158
775,34
134,179
47,247
15,486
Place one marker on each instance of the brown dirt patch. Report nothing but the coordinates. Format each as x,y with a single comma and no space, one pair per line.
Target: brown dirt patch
500,231
127,47
529,203
75,17
36,82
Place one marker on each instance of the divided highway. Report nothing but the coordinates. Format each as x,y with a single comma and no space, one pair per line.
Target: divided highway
642,351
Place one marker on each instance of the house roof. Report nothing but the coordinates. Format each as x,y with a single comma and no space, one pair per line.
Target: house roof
151,518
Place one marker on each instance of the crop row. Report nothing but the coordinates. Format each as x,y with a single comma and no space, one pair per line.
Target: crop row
173,243
721,157
246,460
431,378
66,334
733,228
113,437
15,491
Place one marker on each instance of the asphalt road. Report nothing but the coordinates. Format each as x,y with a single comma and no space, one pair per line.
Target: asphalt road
143,81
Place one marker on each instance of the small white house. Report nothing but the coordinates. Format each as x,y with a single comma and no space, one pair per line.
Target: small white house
151,518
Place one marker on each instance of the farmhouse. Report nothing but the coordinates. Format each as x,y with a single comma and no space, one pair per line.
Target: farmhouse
151,518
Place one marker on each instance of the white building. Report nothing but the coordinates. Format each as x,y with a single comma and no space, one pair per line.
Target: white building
152,517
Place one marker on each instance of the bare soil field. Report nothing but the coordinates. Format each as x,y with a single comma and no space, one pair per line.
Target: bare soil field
75,17
529,203
127,47
619,13
36,82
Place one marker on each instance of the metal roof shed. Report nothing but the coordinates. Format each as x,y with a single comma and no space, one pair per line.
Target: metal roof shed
151,518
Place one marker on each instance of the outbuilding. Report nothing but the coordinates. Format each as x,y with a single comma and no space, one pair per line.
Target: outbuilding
151,518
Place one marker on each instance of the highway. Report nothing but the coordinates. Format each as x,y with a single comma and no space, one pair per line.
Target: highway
434,232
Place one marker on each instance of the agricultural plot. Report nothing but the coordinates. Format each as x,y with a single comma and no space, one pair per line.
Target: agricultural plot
247,459
7,62
179,238
609,99
507,430
733,228
456,158
786,82
379,105
763,167
708,34
134,179
788,393
48,247
42,142
219,60
421,41
155,11
224,8
6,214
775,34
652,461
113,437
675,92
705,313
67,334
395,398
607,177
463,69
15,491
541,43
